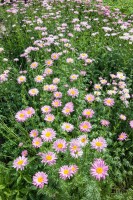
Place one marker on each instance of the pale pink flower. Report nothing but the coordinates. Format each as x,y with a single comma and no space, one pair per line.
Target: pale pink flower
109,102
21,79
54,56
46,109
39,79
40,179
104,122
89,98
20,163
37,142
60,145
56,103
33,133
58,95
48,134
99,144
68,108
123,117
49,158
83,140
131,123
88,113
49,63
49,118
73,92
99,169
67,127
33,92
65,172
21,116
85,126
34,65
29,112
122,136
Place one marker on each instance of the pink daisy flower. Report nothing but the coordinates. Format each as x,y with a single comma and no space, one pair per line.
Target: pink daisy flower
49,158
99,144
49,62
56,103
131,123
48,71
58,95
123,117
83,140
83,56
54,56
20,163
21,116
69,60
99,169
74,169
122,136
48,134
65,172
88,113
30,112
74,77
52,88
33,92
74,145
40,179
60,145
46,109
85,126
104,122
67,127
21,79
34,65
109,102
49,118
56,81
24,153
39,79
89,98
76,154
37,142
73,92
68,108
34,133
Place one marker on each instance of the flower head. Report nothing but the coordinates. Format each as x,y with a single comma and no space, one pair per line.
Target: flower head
85,126
60,145
109,102
99,169
99,143
48,134
73,92
37,142
40,179
67,127
49,158
20,162
122,136
65,172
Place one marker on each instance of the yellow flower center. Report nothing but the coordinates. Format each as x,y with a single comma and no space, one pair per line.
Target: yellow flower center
37,142
85,126
21,115
48,134
20,162
88,112
48,157
67,126
60,146
99,170
108,100
99,144
40,179
74,147
83,140
66,171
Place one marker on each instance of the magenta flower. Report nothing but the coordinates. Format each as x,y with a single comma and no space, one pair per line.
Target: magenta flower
48,134
99,169
49,158
122,136
40,179
99,144
109,102
85,126
60,145
20,163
